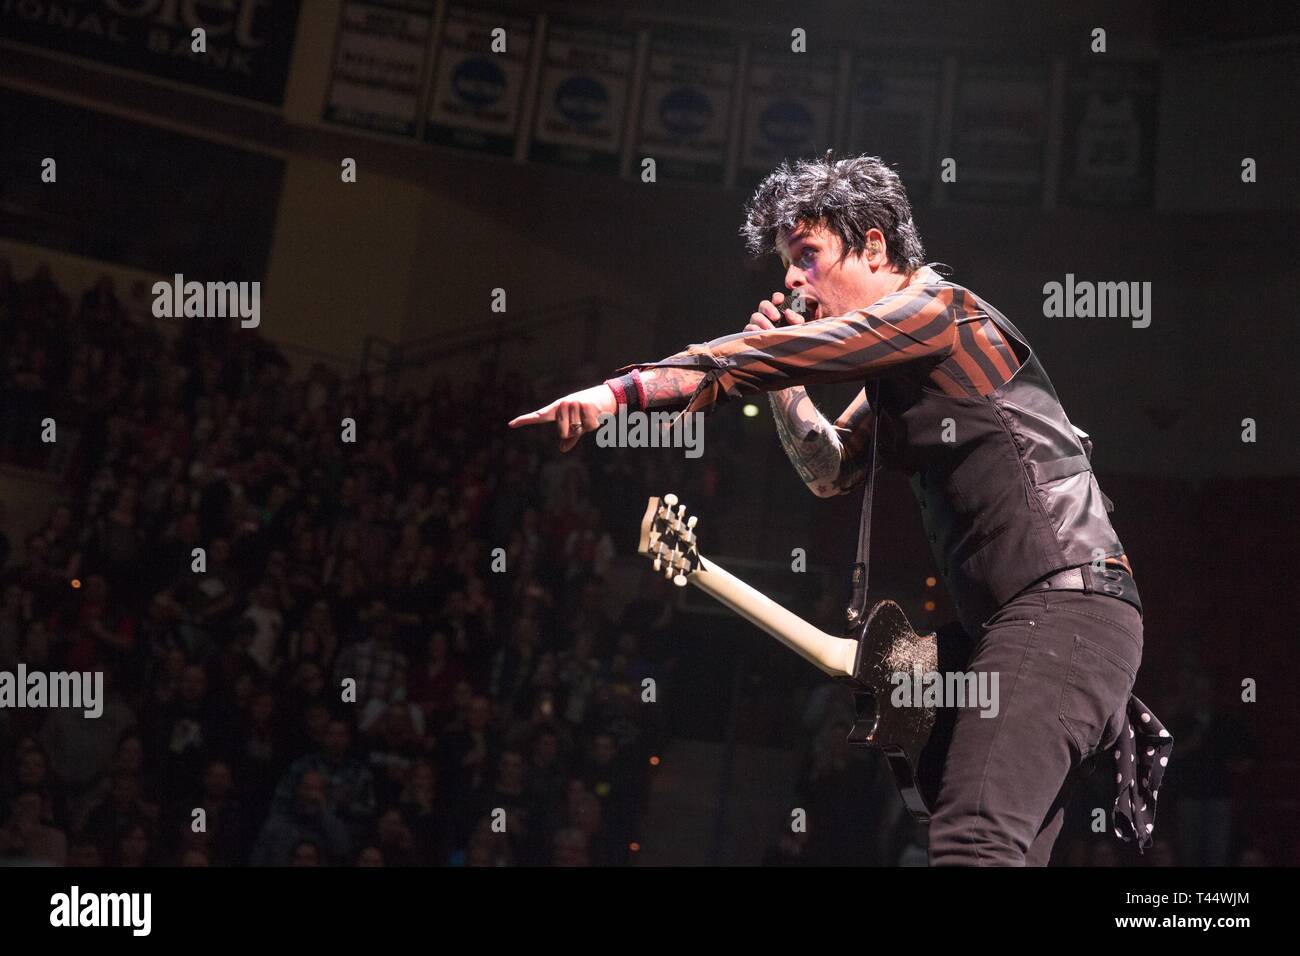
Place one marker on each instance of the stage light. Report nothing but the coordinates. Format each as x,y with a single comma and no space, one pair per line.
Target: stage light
750,410
929,605
654,761
76,583
930,581
634,847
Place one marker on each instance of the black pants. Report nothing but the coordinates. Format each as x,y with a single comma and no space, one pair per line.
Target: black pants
1066,662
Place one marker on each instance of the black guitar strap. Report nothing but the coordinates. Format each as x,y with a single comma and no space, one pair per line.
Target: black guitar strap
858,596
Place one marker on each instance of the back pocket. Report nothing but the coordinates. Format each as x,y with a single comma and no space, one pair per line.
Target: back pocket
1095,695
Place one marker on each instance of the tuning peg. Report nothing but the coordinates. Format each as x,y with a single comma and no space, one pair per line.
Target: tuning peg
690,522
670,499
680,580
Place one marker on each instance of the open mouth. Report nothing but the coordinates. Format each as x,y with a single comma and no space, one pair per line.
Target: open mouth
811,309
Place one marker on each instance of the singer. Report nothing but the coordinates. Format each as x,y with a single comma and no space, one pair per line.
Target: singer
1014,516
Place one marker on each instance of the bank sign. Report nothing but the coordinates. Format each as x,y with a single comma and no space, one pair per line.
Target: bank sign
249,42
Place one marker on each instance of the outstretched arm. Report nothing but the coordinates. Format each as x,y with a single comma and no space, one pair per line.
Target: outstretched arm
911,325
915,324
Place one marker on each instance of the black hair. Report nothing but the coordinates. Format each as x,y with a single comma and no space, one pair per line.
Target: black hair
847,196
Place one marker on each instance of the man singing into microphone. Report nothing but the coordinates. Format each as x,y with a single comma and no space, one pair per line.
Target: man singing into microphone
1015,518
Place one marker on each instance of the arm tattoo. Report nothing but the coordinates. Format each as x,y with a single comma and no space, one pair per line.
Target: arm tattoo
670,386
825,464
809,441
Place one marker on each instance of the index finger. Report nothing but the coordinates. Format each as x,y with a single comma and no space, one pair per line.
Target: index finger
533,418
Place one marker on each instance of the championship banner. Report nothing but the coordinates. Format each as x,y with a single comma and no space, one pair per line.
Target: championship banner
249,42
687,105
379,61
893,114
477,93
999,135
788,110
582,104
135,194
1109,156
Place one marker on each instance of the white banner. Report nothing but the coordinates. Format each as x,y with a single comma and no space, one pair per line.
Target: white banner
379,61
582,104
1000,134
788,111
478,92
687,105
893,114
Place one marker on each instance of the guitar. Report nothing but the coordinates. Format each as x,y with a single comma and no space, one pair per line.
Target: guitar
881,645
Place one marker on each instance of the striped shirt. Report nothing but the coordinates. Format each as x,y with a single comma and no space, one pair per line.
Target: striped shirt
929,327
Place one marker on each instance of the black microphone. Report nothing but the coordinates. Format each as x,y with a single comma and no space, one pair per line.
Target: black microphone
797,304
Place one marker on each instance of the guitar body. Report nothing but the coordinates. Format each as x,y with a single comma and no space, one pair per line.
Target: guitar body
887,645
914,740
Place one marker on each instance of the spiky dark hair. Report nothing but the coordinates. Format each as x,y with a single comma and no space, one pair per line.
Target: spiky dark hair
847,196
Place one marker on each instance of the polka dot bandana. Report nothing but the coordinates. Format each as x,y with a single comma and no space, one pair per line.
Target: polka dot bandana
1141,755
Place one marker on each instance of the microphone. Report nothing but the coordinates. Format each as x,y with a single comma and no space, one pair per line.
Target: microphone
796,303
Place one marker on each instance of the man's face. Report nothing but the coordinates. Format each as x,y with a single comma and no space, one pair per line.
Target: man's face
811,256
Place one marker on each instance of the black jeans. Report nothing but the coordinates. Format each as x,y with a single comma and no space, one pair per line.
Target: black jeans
1066,662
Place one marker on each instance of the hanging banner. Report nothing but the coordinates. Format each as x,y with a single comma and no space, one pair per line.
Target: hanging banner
477,91
893,114
249,42
1109,156
687,105
379,60
582,102
999,135
788,109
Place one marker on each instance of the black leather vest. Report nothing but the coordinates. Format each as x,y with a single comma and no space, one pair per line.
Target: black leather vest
1004,483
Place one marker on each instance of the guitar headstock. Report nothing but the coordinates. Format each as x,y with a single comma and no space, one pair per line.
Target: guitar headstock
668,538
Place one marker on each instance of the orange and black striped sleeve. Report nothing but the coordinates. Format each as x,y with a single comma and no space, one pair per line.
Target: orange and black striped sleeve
911,325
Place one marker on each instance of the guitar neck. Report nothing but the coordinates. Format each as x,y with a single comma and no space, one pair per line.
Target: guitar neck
833,655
